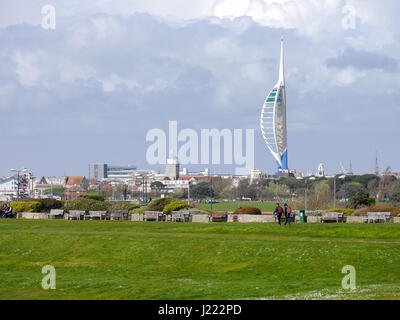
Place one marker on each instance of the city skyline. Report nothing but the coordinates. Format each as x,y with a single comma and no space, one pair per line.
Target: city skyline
89,90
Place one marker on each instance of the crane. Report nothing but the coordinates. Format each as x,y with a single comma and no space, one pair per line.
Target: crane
343,169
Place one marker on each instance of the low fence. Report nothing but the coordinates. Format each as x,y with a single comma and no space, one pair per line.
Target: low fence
204,218
32,215
248,218
314,219
201,218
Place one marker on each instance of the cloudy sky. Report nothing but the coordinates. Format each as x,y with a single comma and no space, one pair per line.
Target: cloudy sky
91,89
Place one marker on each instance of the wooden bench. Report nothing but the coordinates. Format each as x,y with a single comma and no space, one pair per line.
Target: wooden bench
55,214
181,217
219,217
76,215
94,215
119,215
154,216
376,217
332,216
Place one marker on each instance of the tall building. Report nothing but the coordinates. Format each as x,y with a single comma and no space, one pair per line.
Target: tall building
273,120
97,171
120,172
105,171
172,168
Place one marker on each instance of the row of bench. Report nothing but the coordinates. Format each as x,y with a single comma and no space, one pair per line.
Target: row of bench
371,217
91,215
185,216
174,217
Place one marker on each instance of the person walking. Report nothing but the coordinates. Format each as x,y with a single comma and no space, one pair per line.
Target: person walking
278,213
288,214
8,212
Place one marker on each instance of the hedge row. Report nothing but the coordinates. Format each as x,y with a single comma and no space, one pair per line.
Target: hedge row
43,205
165,205
85,204
26,206
363,212
175,206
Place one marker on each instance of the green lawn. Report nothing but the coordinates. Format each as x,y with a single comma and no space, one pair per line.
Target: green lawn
232,206
139,260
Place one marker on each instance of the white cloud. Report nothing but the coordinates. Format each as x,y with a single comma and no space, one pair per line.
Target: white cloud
307,16
122,70
28,67
314,18
232,8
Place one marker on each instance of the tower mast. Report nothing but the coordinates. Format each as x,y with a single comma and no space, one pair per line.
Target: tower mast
282,66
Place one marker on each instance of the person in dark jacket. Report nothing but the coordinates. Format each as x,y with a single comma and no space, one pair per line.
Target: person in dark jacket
278,212
288,214
3,211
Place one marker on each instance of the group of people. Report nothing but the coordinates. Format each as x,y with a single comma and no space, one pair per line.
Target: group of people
286,211
7,212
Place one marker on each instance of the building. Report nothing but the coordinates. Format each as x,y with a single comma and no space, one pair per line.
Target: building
120,172
108,172
273,120
17,186
98,171
44,183
172,168
76,183
255,174
76,186
8,188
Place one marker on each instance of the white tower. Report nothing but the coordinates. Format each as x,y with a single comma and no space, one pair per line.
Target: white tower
172,168
273,119
320,170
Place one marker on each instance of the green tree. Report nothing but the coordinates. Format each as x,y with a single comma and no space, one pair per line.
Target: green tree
373,187
394,191
352,189
157,186
384,187
362,200
321,190
247,189
222,188
278,190
201,190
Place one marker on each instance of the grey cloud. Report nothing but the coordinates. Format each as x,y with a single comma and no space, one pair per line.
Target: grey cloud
158,72
362,60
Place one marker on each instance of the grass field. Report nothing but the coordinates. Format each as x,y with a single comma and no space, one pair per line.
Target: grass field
139,260
232,206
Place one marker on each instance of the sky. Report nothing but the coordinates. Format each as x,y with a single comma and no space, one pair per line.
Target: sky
89,90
